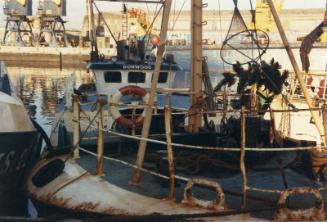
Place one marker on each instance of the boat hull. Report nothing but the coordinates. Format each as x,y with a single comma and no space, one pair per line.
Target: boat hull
77,190
18,152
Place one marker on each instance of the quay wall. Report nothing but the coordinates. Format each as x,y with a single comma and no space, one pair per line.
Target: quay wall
44,57
48,57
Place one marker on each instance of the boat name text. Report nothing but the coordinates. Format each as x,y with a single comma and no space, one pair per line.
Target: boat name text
138,67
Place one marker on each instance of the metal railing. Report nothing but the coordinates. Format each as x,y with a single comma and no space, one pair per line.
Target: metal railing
168,114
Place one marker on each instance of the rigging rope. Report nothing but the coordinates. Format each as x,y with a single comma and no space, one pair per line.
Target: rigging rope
147,8
220,28
184,146
104,20
255,29
152,23
181,178
237,39
174,13
179,12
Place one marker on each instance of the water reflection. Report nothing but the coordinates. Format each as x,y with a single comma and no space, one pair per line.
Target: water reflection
42,89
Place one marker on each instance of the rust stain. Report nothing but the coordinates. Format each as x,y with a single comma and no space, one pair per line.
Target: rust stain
113,211
314,213
86,206
64,203
60,202
190,200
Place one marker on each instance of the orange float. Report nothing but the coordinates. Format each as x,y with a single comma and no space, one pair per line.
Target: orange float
114,109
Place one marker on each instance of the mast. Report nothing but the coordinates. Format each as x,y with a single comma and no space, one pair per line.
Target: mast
92,34
153,93
196,64
298,74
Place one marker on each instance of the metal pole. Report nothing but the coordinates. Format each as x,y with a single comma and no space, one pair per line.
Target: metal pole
99,166
92,33
60,61
148,110
253,99
272,129
76,126
242,157
324,118
318,156
170,153
298,74
196,63
324,89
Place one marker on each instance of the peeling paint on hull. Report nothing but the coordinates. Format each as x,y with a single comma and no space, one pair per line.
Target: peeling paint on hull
79,191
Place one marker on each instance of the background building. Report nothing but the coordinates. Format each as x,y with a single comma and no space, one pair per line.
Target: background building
297,23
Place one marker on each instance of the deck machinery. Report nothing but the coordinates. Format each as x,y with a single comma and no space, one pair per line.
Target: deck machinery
52,25
18,30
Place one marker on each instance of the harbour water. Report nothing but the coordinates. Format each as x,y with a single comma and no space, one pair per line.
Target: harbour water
41,89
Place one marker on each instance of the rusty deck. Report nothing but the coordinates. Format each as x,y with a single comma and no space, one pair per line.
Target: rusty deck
79,190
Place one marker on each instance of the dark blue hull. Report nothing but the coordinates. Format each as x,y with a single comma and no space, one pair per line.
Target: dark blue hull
18,152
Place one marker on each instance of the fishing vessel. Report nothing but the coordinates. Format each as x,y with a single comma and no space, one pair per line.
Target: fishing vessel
175,176
20,140
123,80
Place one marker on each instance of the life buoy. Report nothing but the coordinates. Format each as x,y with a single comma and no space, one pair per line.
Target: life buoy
114,110
317,86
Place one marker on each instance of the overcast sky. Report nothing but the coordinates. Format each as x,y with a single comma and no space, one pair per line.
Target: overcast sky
76,8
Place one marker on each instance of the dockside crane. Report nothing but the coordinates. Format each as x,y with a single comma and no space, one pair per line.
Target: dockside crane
52,26
263,18
18,29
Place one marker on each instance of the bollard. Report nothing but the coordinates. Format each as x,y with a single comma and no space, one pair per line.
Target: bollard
99,164
76,127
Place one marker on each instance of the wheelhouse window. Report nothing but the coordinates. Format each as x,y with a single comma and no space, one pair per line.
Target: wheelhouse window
163,77
112,76
136,77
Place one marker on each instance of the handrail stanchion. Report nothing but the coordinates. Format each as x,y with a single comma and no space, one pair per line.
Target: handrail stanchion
242,156
133,116
324,119
99,165
318,156
76,126
324,88
170,153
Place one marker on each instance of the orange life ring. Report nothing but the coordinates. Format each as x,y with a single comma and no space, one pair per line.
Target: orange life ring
114,109
319,90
